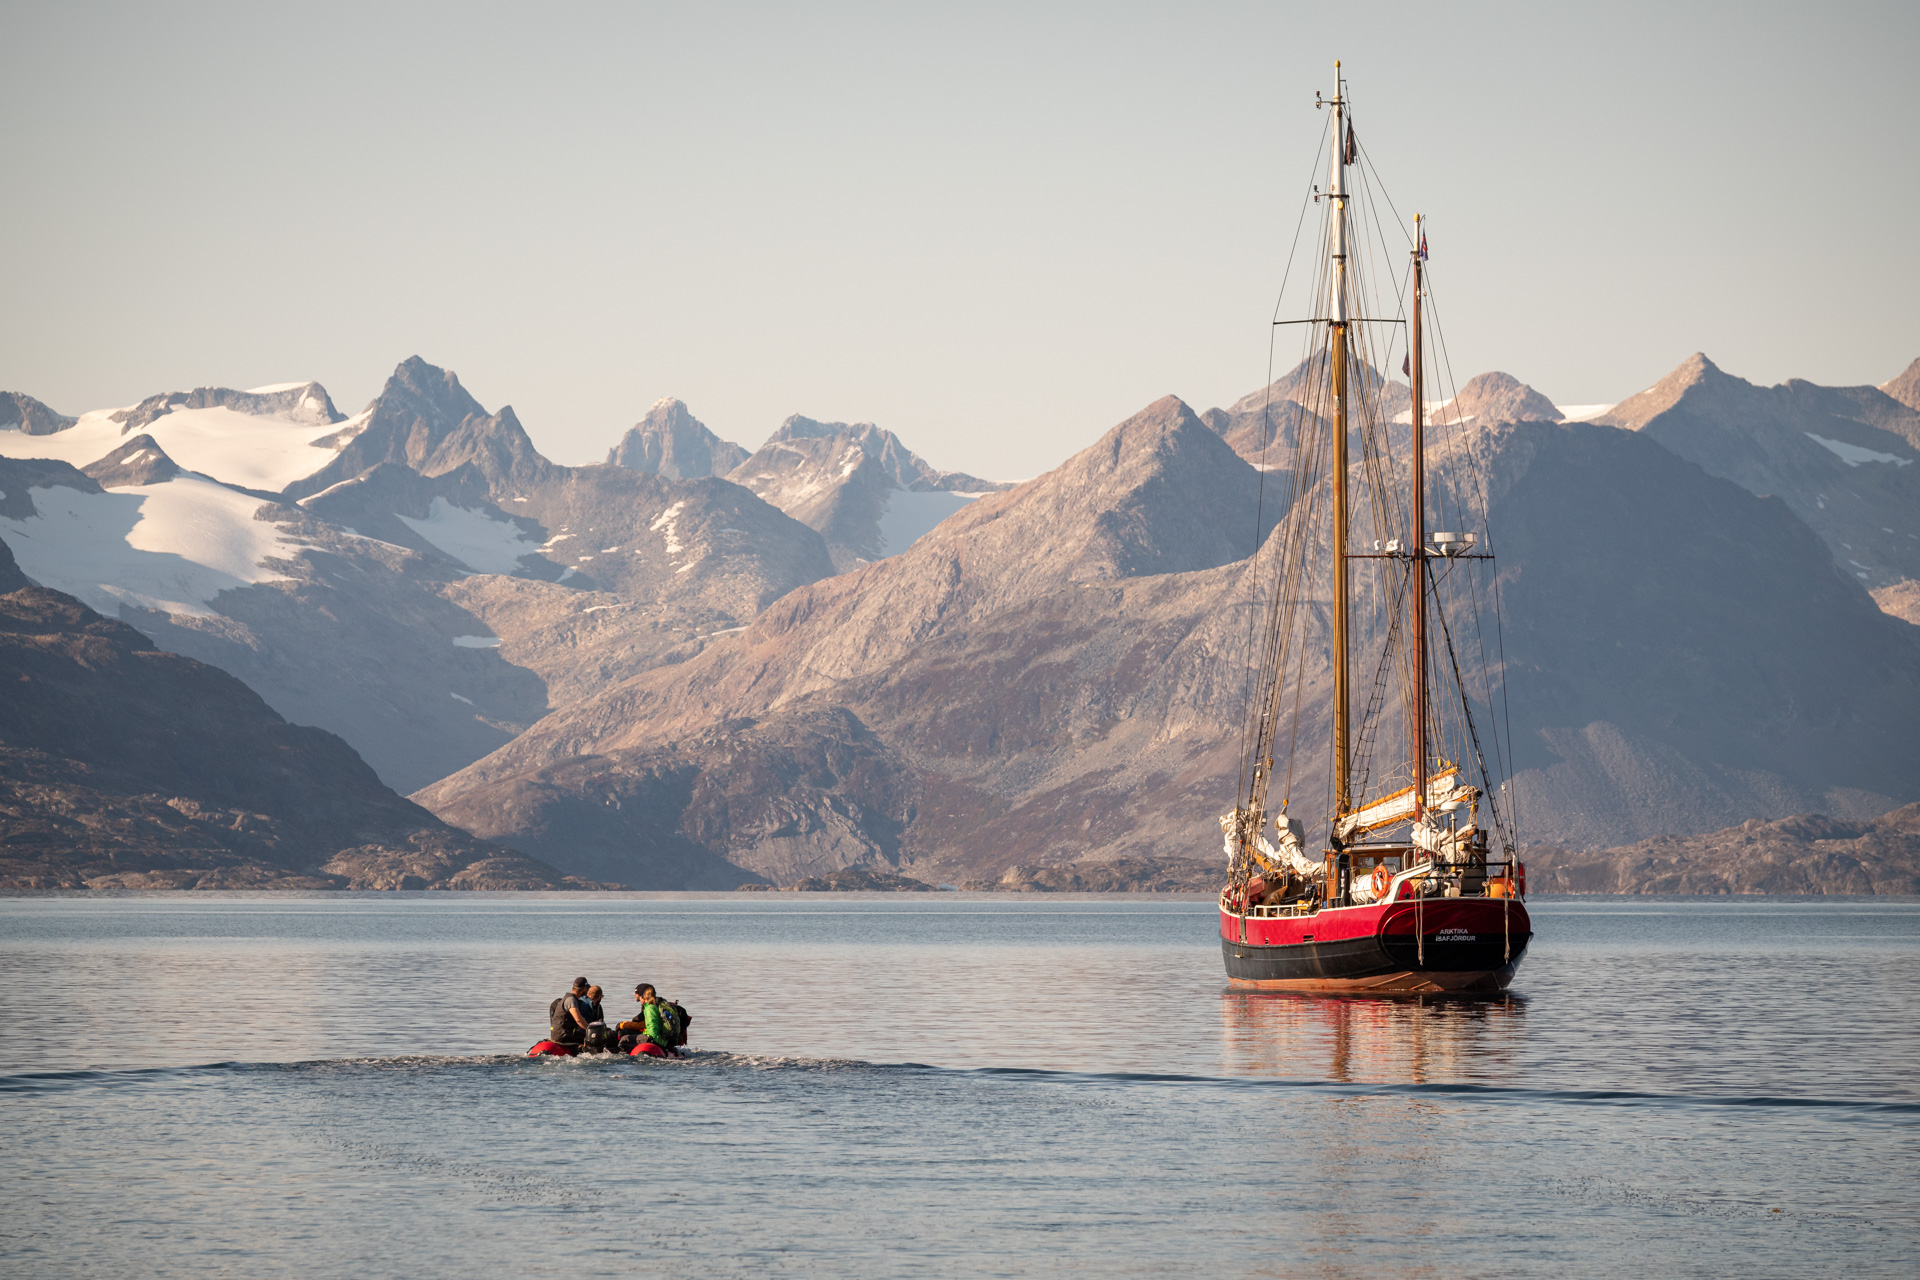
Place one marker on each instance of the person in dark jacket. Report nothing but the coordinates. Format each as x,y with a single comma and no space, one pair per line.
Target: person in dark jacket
571,1014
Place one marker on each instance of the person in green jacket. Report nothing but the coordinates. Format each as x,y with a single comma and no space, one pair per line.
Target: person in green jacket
652,1022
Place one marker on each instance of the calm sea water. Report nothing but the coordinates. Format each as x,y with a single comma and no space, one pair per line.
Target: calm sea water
332,1085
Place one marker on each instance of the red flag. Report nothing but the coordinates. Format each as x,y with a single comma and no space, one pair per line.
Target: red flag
1406,364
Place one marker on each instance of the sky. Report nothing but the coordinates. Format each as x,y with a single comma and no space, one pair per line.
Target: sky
995,229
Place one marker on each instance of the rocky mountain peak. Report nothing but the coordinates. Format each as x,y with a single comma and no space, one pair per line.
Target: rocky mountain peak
1498,397
434,394
1695,371
1159,493
671,442
23,413
1905,388
424,419
304,402
139,461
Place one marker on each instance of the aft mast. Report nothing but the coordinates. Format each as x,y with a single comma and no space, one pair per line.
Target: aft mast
1418,544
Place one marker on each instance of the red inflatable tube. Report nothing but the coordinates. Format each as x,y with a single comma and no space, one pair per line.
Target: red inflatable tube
550,1049
649,1048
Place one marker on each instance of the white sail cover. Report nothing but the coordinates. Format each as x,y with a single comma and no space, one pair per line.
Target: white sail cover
1447,846
1290,856
1398,807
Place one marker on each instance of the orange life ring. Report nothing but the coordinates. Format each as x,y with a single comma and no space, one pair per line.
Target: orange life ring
1380,880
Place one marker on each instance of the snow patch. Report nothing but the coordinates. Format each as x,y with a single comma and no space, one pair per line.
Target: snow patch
474,538
172,546
458,698
669,521
1582,412
1853,455
257,451
278,386
477,642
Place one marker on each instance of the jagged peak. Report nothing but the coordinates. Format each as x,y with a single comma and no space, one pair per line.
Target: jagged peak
30,416
439,387
294,401
668,440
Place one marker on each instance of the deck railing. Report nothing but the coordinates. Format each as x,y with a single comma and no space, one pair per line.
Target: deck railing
1470,880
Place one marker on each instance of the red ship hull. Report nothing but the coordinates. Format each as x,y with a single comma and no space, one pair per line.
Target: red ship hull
1439,945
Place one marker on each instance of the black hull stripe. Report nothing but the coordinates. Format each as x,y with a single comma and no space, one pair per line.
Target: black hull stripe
1353,959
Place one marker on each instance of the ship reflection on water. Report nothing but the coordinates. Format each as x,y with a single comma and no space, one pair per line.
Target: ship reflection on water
1371,1039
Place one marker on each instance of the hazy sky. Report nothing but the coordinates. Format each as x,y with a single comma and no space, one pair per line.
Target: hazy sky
995,229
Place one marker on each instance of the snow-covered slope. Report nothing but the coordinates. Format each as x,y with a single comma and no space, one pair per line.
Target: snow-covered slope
264,439
173,546
865,492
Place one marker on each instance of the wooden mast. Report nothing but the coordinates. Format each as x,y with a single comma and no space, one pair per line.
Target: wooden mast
1419,545
1337,357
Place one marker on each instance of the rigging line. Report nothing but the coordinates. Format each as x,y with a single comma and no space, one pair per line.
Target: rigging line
1503,750
1466,711
1367,737
1513,764
1267,433
1368,159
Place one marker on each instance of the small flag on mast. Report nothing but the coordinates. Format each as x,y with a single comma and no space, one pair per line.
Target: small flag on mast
1423,246
1352,147
1406,364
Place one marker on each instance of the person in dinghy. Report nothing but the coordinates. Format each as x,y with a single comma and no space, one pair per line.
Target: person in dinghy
661,1029
576,1025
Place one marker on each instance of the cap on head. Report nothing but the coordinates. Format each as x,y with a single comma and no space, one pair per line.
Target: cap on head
579,984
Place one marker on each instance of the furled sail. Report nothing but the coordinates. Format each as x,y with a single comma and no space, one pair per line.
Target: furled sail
1448,846
1291,856
1442,788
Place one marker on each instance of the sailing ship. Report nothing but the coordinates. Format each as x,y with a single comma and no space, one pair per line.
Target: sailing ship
1417,887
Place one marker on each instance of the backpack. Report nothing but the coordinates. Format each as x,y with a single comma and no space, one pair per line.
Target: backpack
680,1020
671,1024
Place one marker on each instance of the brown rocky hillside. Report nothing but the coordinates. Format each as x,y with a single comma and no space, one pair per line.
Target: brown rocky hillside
125,767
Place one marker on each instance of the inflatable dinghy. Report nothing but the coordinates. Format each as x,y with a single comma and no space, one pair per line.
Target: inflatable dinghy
554,1049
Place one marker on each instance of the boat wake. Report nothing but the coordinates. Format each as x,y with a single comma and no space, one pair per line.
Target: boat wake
709,1061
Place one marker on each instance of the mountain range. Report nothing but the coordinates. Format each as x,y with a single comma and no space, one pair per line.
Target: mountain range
856,485
125,767
695,666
